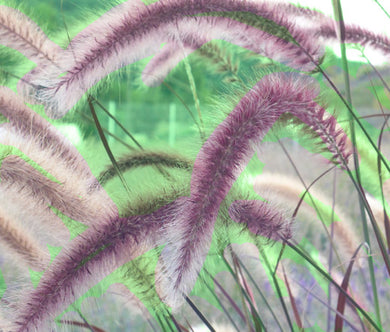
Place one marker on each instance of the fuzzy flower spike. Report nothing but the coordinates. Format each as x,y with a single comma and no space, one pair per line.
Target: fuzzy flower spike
224,156
319,28
19,32
132,31
91,256
187,223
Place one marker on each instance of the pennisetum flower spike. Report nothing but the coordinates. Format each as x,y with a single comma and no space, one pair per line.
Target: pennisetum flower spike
91,256
19,32
134,31
222,158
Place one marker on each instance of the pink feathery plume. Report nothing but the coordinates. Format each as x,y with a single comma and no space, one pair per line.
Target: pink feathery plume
73,181
40,141
19,245
220,161
354,34
93,255
325,27
321,27
36,187
30,124
76,190
41,221
261,218
133,32
19,32
163,63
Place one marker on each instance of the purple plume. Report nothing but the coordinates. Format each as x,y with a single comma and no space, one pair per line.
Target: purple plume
320,27
220,161
41,191
163,62
133,32
19,32
261,218
93,255
30,124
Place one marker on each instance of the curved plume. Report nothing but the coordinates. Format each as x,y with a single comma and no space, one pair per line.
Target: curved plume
42,143
92,255
19,244
38,188
222,158
145,158
163,62
19,32
261,218
46,225
133,32
324,28
288,191
30,123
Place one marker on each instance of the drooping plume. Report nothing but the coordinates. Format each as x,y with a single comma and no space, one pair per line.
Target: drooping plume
223,157
319,26
45,145
134,31
145,158
39,188
19,32
91,256
20,246
30,124
262,218
288,191
163,62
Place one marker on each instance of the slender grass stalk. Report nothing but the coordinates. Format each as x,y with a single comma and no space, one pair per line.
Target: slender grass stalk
169,87
241,290
341,30
117,122
276,319
107,147
293,303
256,317
199,313
357,186
348,235
330,264
213,293
106,131
342,300
195,96
381,7
326,276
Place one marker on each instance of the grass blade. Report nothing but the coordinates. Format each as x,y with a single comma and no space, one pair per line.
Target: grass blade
200,315
92,328
106,146
293,303
261,294
300,252
342,298
117,122
229,298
